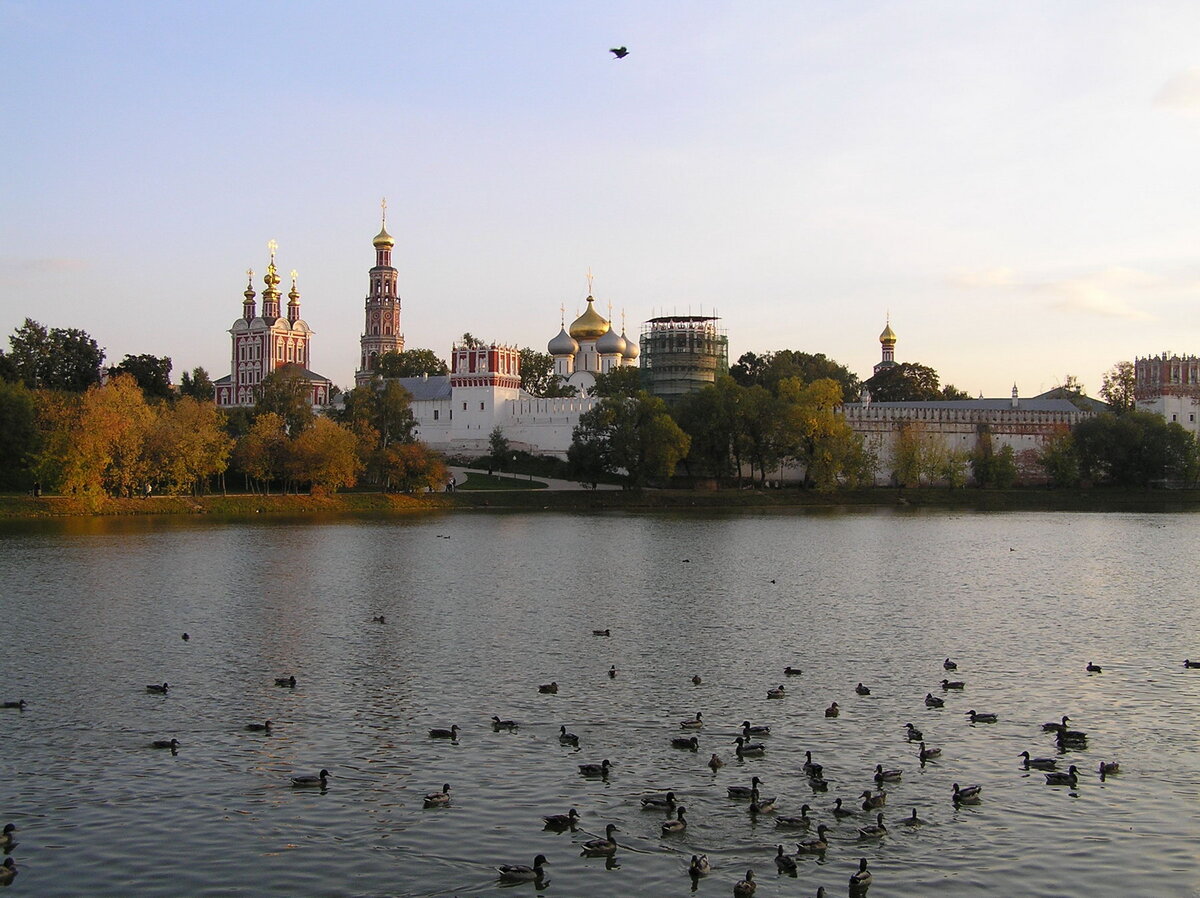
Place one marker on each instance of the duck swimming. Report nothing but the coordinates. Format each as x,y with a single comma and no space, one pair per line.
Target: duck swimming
1059,778
1192,664
692,744
438,733
914,820
8,871
692,723
600,847
696,681
832,710
928,754
659,802
566,738
792,671
953,684
814,846
677,825
890,775
1093,667
165,743
1037,763
7,839
605,632
699,866
976,717
1056,727
1109,767
562,821
872,802
967,794
949,665
715,763
876,830
862,879
438,799
498,724
757,730
785,863
264,727
522,873
289,682
749,749
862,690
158,690
309,782
600,769
612,672
914,735
549,688
745,791
839,811
761,805
801,822
744,888
810,766
777,692
932,701
17,705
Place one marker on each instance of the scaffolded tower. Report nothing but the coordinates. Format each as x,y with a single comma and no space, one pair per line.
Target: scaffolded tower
682,353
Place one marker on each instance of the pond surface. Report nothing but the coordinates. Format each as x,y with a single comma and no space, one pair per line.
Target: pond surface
482,608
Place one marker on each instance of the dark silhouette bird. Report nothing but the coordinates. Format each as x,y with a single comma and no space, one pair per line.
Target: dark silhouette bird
522,873
619,52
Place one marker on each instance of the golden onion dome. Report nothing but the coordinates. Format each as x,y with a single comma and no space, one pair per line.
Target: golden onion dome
590,325
888,337
383,238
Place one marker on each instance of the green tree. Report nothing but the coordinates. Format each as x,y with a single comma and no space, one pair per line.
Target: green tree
989,467
153,374
413,466
538,377
325,456
1060,459
197,384
772,368
905,382
263,452
58,359
813,435
186,445
19,436
1135,449
623,381
498,447
471,342
709,418
635,438
410,363
1118,387
286,393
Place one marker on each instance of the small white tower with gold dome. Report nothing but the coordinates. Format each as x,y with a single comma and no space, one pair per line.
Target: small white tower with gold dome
887,342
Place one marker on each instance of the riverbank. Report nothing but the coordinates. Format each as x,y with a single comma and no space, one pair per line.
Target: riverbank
246,505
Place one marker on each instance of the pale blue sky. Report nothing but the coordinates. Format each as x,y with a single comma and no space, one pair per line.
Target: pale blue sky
1015,182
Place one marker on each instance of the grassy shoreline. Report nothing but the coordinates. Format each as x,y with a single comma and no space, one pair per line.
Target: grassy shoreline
22,506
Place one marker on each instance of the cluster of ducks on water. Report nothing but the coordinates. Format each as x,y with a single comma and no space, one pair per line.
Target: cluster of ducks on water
746,747
1067,739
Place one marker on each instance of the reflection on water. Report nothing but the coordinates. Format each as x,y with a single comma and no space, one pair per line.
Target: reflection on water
481,609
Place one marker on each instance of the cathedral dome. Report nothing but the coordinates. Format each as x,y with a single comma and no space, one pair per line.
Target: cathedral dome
590,324
888,337
611,343
563,344
383,238
632,350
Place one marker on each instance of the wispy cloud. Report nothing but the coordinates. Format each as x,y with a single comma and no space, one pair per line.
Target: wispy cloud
1115,292
22,272
983,278
1181,93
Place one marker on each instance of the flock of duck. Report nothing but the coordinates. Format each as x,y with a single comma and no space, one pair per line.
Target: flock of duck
752,741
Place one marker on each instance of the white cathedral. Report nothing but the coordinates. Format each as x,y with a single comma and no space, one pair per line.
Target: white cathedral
458,412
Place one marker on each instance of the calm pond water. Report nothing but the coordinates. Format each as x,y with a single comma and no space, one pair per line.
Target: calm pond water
482,608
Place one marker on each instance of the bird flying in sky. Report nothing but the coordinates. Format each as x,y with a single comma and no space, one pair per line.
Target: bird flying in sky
619,52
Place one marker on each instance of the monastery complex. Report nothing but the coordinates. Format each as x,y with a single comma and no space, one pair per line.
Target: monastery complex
456,413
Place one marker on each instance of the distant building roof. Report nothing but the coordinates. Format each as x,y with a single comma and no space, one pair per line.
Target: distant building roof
433,387
1087,403
1029,405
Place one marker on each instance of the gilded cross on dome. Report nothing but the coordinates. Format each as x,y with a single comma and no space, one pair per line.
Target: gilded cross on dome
562,315
383,208
272,246
589,280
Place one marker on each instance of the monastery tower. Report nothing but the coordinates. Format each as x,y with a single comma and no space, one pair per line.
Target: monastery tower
381,332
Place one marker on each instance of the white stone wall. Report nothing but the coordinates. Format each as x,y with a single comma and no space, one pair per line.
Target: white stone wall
1178,409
